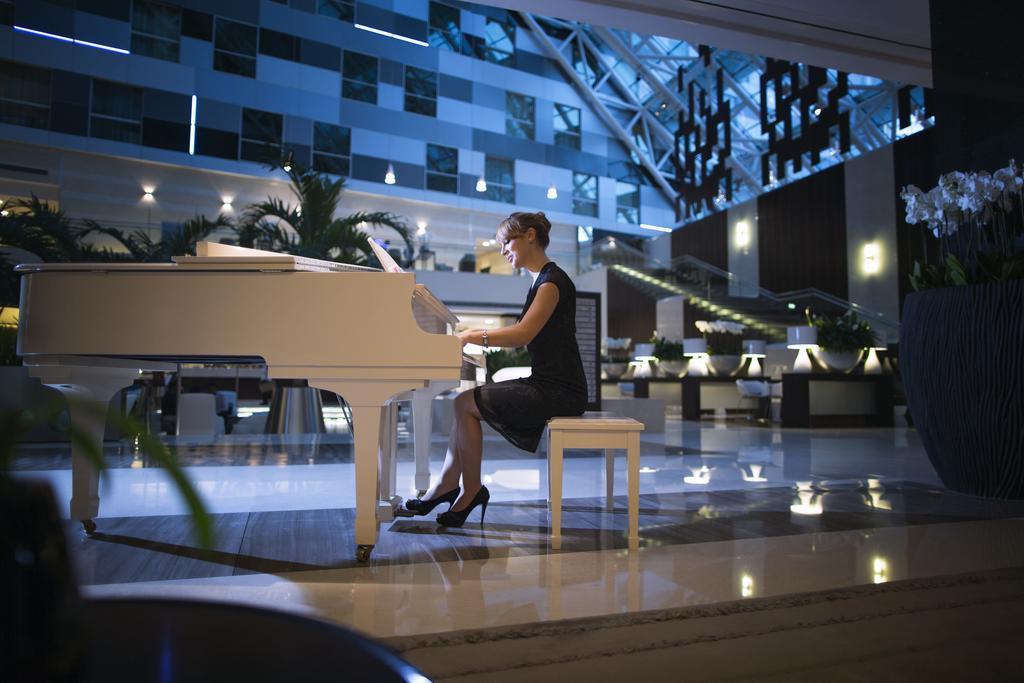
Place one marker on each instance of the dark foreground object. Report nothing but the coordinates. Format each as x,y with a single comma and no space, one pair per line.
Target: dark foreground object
184,640
963,374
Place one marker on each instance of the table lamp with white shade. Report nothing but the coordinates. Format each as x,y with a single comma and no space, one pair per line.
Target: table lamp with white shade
643,356
755,350
872,366
696,349
802,338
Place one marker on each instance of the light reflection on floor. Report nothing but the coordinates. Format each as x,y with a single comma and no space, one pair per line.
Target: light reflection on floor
851,472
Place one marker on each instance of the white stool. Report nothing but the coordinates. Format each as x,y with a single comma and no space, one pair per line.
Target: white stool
595,430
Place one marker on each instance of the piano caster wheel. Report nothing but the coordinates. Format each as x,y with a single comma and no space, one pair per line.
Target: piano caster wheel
89,527
363,553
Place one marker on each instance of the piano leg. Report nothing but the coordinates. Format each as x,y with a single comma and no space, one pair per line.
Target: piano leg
88,392
366,398
422,402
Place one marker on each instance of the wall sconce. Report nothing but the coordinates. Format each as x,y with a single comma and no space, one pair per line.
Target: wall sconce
226,206
803,338
421,228
879,570
754,349
696,349
872,258
289,160
743,234
147,193
389,176
481,184
746,585
552,191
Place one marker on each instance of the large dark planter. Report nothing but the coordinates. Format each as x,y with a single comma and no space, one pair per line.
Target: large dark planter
962,362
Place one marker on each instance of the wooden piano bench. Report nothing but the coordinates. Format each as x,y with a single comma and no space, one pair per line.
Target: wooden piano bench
595,430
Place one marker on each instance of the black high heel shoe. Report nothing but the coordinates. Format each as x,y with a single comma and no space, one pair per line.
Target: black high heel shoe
458,518
424,507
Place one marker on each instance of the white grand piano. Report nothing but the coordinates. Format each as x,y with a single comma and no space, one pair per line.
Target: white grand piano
89,330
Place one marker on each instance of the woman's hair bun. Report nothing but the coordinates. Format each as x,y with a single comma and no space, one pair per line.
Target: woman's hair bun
521,221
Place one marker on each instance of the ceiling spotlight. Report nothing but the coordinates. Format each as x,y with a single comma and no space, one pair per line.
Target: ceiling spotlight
287,165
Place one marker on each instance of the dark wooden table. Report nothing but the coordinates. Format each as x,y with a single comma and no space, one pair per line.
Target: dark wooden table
819,400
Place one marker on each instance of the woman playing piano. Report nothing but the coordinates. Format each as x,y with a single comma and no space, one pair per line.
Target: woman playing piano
518,409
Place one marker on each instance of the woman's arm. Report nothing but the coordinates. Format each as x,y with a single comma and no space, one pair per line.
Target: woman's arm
523,332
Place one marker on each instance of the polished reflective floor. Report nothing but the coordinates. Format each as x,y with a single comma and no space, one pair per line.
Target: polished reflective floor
729,510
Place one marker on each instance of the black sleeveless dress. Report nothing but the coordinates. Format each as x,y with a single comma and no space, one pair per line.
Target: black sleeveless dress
518,409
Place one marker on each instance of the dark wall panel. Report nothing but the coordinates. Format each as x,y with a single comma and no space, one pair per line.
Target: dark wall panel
801,232
631,312
706,239
914,163
979,93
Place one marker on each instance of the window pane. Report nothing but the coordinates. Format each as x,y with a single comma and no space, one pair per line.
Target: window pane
498,171
261,125
261,152
627,194
18,114
328,163
156,20
584,207
359,91
519,106
420,82
280,45
330,138
584,186
154,47
360,67
338,9
111,129
114,99
627,203
519,115
234,64
442,183
567,140
499,42
445,32
235,37
420,105
24,83
442,159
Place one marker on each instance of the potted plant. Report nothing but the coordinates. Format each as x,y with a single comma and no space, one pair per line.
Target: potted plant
615,358
959,351
497,359
725,343
670,355
842,339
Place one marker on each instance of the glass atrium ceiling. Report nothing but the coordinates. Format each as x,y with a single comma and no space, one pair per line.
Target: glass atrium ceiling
820,116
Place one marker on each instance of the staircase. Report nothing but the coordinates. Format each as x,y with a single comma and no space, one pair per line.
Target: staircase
724,296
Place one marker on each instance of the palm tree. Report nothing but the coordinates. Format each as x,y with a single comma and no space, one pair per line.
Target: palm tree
142,247
311,228
32,229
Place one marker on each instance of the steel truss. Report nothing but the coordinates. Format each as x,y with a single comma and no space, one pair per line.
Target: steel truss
631,82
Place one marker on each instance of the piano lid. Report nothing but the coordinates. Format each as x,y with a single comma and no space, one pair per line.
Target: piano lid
214,256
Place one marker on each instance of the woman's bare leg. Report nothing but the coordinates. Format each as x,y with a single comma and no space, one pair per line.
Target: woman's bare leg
469,443
451,472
